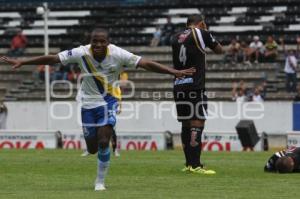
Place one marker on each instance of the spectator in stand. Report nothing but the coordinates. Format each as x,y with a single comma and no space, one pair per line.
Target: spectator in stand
18,44
3,115
256,97
238,92
297,97
290,67
256,47
61,73
167,31
124,82
233,51
156,37
243,53
40,72
263,89
271,52
73,74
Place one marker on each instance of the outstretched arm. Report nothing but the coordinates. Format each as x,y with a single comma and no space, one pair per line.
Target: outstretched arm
159,68
45,60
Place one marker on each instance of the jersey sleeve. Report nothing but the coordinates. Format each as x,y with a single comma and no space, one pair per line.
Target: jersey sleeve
128,59
71,56
294,150
270,165
209,40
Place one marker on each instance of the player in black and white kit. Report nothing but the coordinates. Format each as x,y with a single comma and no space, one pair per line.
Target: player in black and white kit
286,161
189,92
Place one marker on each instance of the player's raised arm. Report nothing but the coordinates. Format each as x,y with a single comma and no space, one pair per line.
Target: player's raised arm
218,49
159,68
211,42
45,60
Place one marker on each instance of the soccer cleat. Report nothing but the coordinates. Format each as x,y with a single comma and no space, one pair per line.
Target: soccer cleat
200,170
116,153
186,169
85,153
99,187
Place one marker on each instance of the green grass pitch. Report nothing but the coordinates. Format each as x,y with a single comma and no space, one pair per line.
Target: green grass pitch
64,174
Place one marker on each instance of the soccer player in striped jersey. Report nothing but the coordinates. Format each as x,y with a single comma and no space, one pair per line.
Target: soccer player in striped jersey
286,161
100,63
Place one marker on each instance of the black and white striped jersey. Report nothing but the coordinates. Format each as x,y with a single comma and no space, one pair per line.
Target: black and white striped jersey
293,152
188,50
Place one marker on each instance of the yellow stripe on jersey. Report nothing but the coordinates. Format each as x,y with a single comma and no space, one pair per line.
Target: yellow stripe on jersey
114,91
196,41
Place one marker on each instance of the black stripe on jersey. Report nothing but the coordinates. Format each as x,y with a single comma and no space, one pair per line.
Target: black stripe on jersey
282,153
197,42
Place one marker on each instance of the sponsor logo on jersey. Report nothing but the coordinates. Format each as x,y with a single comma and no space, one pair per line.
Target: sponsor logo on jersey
182,37
184,81
69,53
86,132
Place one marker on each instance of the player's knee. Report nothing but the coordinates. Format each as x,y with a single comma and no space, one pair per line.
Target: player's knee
92,149
91,145
197,123
103,143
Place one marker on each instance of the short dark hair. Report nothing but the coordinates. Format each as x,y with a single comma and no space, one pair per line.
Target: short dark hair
284,165
100,30
194,19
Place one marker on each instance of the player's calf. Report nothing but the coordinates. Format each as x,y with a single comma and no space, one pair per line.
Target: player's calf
195,145
103,135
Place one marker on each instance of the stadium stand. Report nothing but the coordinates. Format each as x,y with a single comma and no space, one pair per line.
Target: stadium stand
132,23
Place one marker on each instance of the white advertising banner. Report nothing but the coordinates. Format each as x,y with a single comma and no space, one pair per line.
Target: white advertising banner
27,140
73,140
223,142
141,141
293,139
142,115
125,140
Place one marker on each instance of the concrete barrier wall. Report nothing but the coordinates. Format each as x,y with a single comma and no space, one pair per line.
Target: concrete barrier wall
271,117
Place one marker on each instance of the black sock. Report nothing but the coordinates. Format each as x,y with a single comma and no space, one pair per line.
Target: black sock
114,140
195,146
185,139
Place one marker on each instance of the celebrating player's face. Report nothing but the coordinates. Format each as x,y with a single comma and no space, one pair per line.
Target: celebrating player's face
99,43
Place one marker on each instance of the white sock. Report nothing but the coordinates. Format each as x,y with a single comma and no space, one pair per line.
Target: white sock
102,171
103,164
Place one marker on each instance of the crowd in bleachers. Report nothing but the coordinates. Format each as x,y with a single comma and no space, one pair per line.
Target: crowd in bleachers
241,93
70,73
240,51
257,52
256,30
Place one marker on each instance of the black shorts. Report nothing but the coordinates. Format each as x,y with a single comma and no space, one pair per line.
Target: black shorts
191,105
